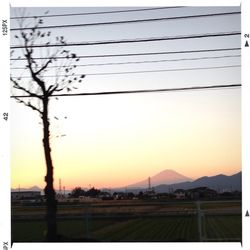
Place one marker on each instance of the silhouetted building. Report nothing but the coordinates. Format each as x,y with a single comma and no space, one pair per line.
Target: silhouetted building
201,192
180,194
25,195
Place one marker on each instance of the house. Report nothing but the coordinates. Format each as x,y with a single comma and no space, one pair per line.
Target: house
201,193
88,199
105,196
25,195
180,194
119,195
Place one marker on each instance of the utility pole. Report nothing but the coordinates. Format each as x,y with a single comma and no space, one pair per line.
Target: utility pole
199,220
149,183
60,187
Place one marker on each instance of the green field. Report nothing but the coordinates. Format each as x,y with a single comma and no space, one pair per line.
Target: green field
110,207
141,229
226,228
34,231
138,222
220,205
151,229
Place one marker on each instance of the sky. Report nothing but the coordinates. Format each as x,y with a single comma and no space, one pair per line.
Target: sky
117,140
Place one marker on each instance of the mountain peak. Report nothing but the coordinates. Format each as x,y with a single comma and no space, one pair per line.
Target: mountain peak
167,176
167,171
35,188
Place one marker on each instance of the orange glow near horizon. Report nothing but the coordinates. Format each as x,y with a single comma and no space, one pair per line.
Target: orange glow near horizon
122,148
116,140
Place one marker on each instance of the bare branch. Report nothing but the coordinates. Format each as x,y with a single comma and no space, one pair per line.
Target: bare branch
58,90
33,74
44,66
30,60
39,88
55,88
53,56
18,86
35,108
52,88
28,104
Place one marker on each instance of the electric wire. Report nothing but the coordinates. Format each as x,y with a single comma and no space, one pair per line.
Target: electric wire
137,40
135,54
207,87
128,21
138,72
96,13
140,62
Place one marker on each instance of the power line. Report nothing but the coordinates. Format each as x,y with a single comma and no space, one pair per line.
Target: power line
141,62
98,13
140,91
129,21
140,72
161,70
134,54
138,40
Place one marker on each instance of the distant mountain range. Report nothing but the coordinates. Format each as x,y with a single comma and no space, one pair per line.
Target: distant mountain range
169,180
36,188
218,182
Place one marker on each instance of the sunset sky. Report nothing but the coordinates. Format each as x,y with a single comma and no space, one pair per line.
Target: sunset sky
117,140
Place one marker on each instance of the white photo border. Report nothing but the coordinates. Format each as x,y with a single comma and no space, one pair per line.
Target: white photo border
5,228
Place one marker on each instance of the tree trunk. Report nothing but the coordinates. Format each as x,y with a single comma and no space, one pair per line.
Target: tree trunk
51,206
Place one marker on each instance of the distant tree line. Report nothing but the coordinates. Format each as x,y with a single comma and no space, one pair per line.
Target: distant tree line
92,192
190,194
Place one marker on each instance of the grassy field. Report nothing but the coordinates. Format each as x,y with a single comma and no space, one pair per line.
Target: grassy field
227,228
151,229
220,205
34,231
109,207
141,229
139,221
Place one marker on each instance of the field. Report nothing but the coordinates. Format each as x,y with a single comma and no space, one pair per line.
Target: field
227,228
133,221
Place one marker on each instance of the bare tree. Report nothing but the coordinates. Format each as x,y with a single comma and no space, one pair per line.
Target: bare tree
40,92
